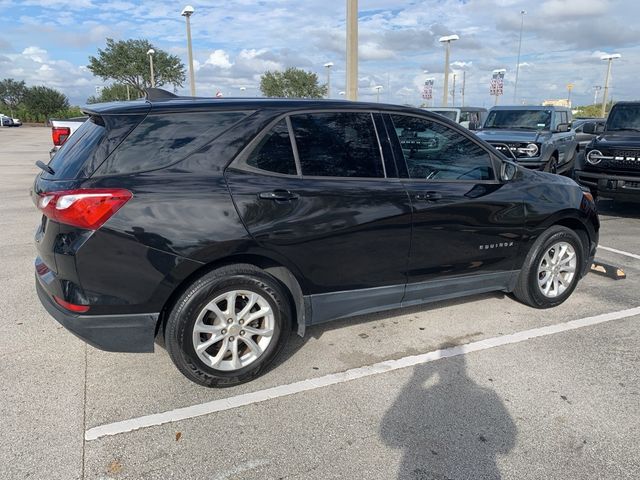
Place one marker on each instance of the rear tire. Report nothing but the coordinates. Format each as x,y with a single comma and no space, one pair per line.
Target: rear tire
551,269
228,326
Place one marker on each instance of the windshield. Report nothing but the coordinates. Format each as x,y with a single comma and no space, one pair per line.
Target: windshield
524,119
451,115
624,117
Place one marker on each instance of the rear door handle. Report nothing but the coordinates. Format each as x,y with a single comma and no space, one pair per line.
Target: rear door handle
281,195
429,196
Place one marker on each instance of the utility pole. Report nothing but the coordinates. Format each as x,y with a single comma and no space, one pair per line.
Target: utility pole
352,50
464,84
515,87
610,59
596,91
453,91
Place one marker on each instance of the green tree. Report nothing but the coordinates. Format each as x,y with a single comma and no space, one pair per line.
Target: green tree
12,93
591,111
127,63
292,83
112,93
43,101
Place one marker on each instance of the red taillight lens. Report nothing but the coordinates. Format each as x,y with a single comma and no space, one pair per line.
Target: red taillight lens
60,135
71,306
84,208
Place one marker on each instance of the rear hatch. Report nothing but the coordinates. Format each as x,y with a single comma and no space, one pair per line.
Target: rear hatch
77,159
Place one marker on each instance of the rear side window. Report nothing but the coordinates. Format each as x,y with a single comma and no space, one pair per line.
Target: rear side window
337,145
163,139
68,162
274,152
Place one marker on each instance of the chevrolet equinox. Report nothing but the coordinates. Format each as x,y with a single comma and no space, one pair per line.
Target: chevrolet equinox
218,226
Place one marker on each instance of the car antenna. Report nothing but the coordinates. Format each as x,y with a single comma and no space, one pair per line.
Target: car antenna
45,167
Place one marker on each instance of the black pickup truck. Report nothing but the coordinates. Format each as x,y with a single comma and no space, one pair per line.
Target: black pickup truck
611,164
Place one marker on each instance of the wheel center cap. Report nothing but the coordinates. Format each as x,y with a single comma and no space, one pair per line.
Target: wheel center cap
234,330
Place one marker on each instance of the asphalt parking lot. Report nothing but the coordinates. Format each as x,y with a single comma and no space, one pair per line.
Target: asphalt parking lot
479,388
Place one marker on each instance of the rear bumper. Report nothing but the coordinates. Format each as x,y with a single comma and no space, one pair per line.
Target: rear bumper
112,333
610,185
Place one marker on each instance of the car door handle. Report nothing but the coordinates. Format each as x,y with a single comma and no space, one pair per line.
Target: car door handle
281,195
429,196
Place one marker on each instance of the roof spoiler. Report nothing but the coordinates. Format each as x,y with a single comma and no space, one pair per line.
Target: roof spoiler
153,94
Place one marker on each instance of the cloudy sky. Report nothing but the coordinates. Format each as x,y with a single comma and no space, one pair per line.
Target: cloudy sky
47,42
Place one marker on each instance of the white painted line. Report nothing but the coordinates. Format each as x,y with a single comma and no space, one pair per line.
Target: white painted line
620,252
353,374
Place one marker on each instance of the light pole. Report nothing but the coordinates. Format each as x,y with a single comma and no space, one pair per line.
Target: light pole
515,87
447,40
150,52
610,59
328,66
352,50
187,12
569,89
377,88
453,91
243,89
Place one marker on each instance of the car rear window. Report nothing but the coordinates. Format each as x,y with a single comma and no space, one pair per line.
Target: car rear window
163,139
68,162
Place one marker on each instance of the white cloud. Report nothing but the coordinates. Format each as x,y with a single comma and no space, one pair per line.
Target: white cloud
219,58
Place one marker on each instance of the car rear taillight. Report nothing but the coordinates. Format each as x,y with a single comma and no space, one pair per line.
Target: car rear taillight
60,135
71,306
87,208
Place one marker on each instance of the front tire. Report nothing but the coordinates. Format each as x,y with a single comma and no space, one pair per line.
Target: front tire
552,269
228,326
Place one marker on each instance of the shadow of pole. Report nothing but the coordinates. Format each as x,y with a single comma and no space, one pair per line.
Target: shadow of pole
448,427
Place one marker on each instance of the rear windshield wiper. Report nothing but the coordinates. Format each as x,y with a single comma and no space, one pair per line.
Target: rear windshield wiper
45,167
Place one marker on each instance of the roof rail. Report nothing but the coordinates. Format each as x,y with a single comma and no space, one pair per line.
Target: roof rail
153,94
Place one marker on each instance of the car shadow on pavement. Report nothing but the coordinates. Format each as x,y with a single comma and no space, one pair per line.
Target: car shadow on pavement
447,426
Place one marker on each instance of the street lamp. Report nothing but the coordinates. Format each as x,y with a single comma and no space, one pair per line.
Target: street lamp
328,66
377,88
150,52
187,12
515,87
596,90
243,89
609,58
447,40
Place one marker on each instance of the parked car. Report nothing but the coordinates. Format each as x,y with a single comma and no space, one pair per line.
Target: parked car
536,137
220,225
469,117
6,121
17,122
61,130
611,165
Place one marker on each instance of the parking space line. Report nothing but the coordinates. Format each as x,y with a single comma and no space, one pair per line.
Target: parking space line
620,252
346,376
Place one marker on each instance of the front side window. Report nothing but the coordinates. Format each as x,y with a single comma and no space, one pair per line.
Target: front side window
337,144
434,151
274,152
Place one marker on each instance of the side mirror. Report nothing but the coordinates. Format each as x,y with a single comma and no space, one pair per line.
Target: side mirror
563,127
589,128
508,171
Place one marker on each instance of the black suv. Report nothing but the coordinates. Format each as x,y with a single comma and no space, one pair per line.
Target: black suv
611,164
217,226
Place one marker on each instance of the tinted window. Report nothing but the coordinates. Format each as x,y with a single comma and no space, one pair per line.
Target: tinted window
524,119
274,152
161,140
337,145
624,117
451,115
436,152
69,160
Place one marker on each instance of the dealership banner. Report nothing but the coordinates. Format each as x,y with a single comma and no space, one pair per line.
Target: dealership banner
497,83
427,91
